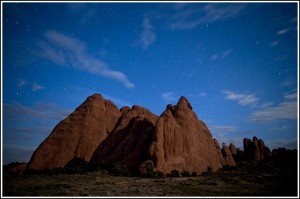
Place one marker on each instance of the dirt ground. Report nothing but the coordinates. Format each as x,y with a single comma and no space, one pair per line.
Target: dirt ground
257,178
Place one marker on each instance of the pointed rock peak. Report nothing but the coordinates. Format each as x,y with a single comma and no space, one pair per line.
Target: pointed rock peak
95,97
183,102
124,110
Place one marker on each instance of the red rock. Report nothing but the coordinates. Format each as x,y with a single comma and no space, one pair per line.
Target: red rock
221,158
183,142
233,149
227,156
129,142
78,135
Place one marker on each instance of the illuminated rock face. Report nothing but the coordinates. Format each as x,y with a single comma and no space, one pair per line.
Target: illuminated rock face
182,142
78,135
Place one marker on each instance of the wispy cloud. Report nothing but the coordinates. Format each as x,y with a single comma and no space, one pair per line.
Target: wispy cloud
17,111
283,31
148,35
284,110
21,82
274,43
169,96
223,128
227,52
202,94
36,87
288,83
188,17
82,11
242,99
67,51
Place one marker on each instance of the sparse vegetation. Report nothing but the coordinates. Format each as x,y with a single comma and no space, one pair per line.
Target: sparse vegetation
272,177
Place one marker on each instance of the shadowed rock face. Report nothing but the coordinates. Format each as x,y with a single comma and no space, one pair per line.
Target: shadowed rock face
130,140
255,150
78,135
183,142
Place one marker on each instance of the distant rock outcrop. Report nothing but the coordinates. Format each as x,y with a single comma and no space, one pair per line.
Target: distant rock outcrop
227,156
183,142
255,150
78,135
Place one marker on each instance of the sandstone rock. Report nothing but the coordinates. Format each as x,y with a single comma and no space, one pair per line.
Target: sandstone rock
239,155
182,142
233,149
129,142
261,146
221,158
255,150
227,156
78,135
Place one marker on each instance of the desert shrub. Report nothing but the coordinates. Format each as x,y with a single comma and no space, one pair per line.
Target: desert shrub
160,174
175,173
96,166
185,173
118,169
194,173
76,165
209,169
147,169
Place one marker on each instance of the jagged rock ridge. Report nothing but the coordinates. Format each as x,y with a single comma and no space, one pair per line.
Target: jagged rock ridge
97,131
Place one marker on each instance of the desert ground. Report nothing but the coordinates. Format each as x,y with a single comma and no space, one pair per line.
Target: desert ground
274,177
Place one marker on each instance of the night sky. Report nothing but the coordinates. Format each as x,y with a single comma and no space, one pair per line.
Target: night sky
235,62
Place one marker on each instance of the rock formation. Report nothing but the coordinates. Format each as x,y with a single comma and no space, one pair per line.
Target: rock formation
98,132
221,158
182,142
78,135
255,150
129,142
227,156
233,149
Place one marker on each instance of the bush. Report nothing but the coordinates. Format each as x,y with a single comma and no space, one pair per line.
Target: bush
185,173
194,173
175,173
118,169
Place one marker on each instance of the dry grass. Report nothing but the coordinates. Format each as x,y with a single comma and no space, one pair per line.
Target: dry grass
264,178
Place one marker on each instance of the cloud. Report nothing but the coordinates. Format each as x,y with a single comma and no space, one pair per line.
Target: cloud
283,31
226,53
67,51
21,83
202,94
243,99
82,11
169,96
17,111
274,43
288,83
36,87
188,17
284,110
223,128
147,36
